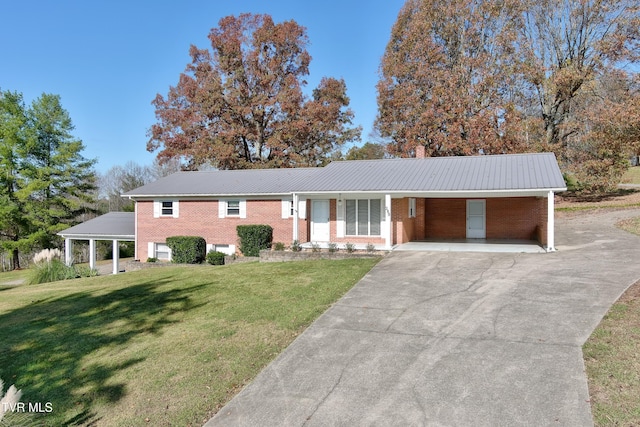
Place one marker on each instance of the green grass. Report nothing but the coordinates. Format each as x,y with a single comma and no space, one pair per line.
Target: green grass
612,360
13,277
165,346
631,176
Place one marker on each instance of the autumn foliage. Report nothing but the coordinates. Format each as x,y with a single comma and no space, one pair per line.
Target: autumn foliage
464,77
241,104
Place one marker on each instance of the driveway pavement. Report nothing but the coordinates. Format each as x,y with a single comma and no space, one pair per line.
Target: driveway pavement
453,339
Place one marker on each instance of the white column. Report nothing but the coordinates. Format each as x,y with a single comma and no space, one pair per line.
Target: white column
296,215
68,251
92,254
551,246
387,220
116,257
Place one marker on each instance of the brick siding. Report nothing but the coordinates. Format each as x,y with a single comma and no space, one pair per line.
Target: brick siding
200,218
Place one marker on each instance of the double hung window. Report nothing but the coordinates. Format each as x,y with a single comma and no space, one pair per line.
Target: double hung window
363,217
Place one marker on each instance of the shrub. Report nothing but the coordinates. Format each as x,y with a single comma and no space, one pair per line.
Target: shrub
350,247
54,270
215,258
187,249
315,247
278,246
295,246
152,259
333,247
371,247
254,238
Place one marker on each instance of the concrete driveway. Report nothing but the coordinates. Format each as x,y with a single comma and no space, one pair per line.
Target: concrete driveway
453,339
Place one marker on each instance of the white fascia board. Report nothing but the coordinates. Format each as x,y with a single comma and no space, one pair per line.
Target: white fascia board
540,192
126,238
248,196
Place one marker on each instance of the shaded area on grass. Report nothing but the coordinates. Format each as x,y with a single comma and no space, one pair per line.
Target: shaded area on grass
45,344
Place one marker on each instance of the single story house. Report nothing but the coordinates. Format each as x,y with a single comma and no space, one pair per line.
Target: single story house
364,202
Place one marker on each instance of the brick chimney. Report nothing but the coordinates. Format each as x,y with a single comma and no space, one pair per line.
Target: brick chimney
420,152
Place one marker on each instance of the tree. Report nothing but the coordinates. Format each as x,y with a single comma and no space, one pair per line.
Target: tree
241,105
120,179
446,76
46,182
369,151
566,46
13,143
473,76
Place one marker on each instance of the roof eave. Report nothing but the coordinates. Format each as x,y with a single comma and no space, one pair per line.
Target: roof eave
87,236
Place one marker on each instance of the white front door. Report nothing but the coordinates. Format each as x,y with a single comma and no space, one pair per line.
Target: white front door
320,221
476,219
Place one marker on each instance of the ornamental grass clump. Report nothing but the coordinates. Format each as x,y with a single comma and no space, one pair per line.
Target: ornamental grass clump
9,399
50,268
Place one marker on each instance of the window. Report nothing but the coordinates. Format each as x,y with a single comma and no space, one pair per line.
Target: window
167,209
233,208
363,217
163,252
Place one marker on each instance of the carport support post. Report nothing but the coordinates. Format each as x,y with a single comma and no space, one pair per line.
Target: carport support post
296,215
116,256
92,253
387,218
551,246
68,251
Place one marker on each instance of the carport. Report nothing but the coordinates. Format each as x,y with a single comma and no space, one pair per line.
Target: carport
114,226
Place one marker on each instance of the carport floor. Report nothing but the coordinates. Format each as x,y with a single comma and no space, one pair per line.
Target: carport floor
473,245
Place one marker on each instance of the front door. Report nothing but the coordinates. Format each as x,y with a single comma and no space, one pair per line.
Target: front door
476,219
320,221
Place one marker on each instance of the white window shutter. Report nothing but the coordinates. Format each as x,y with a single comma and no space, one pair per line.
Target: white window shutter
156,208
286,208
151,250
302,208
340,218
176,205
222,208
243,208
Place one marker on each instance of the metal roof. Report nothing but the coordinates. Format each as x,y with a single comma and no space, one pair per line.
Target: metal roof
509,172
537,171
112,225
227,182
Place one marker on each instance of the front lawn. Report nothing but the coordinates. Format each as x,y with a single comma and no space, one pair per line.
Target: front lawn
165,346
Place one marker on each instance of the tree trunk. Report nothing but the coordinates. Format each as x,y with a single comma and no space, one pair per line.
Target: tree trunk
15,261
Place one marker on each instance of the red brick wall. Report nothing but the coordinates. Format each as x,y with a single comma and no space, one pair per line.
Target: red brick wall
445,218
513,218
200,218
506,218
404,228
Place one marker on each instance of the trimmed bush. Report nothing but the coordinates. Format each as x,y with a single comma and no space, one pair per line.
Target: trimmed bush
187,249
253,238
215,258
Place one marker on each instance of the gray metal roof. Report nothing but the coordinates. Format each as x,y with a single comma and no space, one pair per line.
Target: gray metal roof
509,172
228,182
440,174
111,225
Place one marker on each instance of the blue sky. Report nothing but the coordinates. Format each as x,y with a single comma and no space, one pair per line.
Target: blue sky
108,59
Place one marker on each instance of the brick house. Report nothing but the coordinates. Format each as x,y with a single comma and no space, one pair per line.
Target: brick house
380,202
